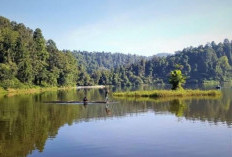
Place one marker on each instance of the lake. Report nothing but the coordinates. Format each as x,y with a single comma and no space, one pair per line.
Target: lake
175,127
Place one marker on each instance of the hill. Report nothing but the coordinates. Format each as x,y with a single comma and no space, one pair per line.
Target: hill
92,61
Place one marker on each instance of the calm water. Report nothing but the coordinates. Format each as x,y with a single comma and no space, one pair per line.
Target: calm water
131,127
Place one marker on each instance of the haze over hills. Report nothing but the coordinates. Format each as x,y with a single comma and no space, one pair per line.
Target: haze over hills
163,54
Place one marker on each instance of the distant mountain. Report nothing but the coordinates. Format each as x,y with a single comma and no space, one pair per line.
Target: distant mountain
164,54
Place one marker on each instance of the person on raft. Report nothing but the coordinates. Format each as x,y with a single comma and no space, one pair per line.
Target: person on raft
106,95
85,99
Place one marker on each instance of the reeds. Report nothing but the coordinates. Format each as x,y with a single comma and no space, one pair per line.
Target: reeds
168,93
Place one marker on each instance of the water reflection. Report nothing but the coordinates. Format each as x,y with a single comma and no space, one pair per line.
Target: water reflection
178,107
26,123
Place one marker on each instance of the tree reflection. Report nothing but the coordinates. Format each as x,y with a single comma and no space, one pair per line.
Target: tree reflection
178,107
26,123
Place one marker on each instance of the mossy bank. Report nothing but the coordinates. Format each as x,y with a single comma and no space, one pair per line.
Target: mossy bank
168,93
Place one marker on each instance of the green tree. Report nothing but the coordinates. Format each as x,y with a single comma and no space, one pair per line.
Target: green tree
24,63
8,39
223,68
6,72
40,56
176,79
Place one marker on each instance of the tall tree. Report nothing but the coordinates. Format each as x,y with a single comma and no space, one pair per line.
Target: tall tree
176,79
40,55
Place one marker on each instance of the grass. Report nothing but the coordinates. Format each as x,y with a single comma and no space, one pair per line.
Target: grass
168,93
35,89
2,91
210,82
167,99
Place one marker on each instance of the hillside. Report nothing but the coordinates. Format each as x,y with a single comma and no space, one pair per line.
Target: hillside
92,61
210,62
28,60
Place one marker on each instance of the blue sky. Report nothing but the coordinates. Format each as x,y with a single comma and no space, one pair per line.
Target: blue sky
144,27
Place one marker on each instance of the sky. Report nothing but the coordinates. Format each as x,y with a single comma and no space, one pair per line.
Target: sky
143,27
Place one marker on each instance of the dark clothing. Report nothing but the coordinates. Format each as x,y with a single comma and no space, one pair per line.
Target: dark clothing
106,94
85,99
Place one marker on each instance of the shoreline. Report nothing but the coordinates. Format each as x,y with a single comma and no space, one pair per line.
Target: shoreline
89,87
13,91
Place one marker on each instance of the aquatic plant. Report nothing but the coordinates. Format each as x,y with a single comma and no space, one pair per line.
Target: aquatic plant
168,93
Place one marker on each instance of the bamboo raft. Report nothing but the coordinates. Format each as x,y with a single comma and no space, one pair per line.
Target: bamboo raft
78,102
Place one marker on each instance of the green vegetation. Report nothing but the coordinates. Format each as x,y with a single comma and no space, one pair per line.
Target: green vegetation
93,61
211,82
2,91
211,62
166,99
176,79
12,91
168,93
28,60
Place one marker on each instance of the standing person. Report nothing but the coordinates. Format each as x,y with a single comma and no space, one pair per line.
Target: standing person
106,95
85,99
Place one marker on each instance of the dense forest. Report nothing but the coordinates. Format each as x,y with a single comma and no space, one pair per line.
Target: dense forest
27,60
92,61
210,62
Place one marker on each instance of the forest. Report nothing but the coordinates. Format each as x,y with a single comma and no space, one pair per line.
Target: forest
28,60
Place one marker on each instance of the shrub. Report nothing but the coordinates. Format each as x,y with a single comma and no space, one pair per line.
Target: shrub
176,79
